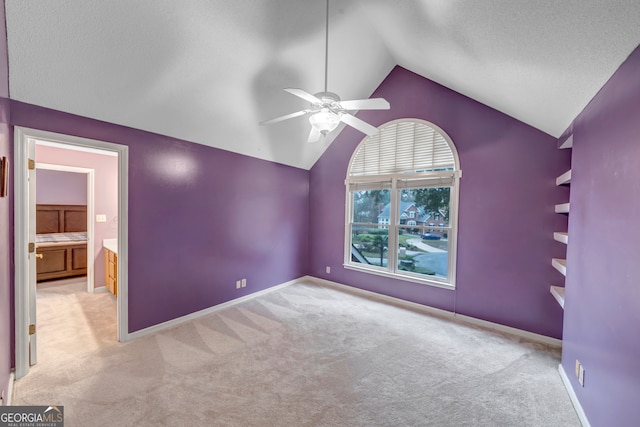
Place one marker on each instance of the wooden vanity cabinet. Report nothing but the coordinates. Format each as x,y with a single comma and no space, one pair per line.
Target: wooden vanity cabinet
111,271
61,261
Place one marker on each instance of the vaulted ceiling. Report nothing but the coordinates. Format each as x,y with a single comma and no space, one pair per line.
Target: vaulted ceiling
208,71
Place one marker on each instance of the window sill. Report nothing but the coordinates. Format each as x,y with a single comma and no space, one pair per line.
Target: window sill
397,276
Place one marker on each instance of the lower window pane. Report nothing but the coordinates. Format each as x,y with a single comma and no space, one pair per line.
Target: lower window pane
423,253
369,244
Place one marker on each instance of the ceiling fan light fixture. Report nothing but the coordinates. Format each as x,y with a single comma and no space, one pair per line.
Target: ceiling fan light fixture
324,121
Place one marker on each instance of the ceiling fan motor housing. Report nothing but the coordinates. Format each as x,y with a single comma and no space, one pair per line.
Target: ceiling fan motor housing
329,99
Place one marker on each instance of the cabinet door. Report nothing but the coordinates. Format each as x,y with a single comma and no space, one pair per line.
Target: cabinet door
115,274
78,258
106,267
112,270
53,261
112,286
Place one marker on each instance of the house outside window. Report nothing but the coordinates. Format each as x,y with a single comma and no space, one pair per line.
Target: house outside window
410,169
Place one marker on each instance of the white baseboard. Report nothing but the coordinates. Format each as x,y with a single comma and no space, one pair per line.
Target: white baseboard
9,396
574,398
345,288
191,316
443,313
543,339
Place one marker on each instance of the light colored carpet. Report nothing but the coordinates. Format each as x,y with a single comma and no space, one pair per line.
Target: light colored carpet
304,355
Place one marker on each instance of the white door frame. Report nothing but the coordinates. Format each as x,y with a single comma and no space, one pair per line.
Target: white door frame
90,173
21,212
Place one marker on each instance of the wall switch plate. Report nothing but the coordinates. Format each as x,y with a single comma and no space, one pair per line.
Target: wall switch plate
238,284
328,269
578,368
244,283
101,218
581,375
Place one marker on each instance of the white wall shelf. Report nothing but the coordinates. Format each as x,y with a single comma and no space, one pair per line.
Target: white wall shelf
561,237
567,143
560,265
558,293
564,179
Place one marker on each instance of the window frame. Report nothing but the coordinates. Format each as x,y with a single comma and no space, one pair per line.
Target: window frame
390,181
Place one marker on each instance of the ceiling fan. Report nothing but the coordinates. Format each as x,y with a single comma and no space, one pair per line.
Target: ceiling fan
327,110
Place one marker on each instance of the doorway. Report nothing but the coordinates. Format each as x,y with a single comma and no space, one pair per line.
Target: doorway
89,201
24,207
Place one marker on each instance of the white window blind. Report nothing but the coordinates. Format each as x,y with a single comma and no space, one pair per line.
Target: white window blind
364,186
445,179
402,147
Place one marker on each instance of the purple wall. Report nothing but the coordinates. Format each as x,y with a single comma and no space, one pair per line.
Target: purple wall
61,188
506,218
199,218
105,196
6,220
602,309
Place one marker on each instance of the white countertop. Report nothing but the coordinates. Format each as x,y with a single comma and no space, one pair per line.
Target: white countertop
111,244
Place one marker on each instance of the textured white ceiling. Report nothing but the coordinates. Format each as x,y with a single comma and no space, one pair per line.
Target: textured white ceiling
208,71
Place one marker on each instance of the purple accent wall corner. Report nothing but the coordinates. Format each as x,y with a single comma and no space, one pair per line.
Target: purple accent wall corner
506,215
602,308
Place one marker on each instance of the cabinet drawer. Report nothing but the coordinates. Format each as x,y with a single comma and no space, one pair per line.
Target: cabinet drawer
112,256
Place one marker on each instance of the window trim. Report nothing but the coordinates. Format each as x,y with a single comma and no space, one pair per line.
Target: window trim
356,183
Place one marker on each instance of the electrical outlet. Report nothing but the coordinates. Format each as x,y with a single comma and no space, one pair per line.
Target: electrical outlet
101,218
581,375
238,284
328,269
244,283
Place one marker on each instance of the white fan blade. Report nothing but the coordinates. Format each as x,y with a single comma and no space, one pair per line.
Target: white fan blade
285,117
366,104
314,135
304,95
361,125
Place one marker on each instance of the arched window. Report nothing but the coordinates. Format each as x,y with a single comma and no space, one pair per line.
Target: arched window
410,166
